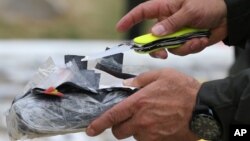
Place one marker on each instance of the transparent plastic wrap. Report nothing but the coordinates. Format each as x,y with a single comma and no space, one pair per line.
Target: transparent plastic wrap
62,100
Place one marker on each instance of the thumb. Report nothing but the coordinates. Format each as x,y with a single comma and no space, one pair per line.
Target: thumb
142,80
171,23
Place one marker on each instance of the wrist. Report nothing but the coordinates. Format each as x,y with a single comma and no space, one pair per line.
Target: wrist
204,122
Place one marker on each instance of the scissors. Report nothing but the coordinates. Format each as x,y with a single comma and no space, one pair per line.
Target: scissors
149,43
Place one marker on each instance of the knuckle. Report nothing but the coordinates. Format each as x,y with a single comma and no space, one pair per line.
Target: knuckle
196,17
117,133
143,8
142,102
191,10
111,116
118,136
94,126
170,24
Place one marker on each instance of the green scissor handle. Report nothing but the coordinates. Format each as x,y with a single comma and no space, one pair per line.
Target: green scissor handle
148,43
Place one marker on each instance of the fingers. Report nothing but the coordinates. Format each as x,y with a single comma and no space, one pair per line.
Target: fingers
138,123
219,33
171,24
142,80
123,110
192,46
119,113
161,53
124,130
146,10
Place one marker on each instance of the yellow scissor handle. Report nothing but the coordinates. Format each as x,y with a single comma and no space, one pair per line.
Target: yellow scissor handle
149,38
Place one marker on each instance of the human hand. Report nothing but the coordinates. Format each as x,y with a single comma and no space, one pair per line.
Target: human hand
159,111
175,14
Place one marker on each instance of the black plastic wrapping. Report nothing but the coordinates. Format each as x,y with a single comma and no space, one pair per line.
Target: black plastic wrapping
37,114
113,65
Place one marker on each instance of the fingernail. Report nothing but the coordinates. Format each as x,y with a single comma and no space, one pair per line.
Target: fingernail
90,131
159,30
128,82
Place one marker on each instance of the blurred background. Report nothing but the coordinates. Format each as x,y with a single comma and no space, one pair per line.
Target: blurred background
60,19
33,30
55,19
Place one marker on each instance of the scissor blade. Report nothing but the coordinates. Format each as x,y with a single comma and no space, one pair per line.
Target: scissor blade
112,51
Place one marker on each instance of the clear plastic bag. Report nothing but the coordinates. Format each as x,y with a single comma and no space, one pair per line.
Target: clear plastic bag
39,114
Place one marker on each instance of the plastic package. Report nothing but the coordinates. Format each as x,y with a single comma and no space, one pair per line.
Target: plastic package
63,100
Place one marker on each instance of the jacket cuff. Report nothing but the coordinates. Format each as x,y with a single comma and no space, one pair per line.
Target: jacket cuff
212,94
229,99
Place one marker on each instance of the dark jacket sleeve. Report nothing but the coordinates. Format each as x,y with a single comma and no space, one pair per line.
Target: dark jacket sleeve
229,98
238,22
